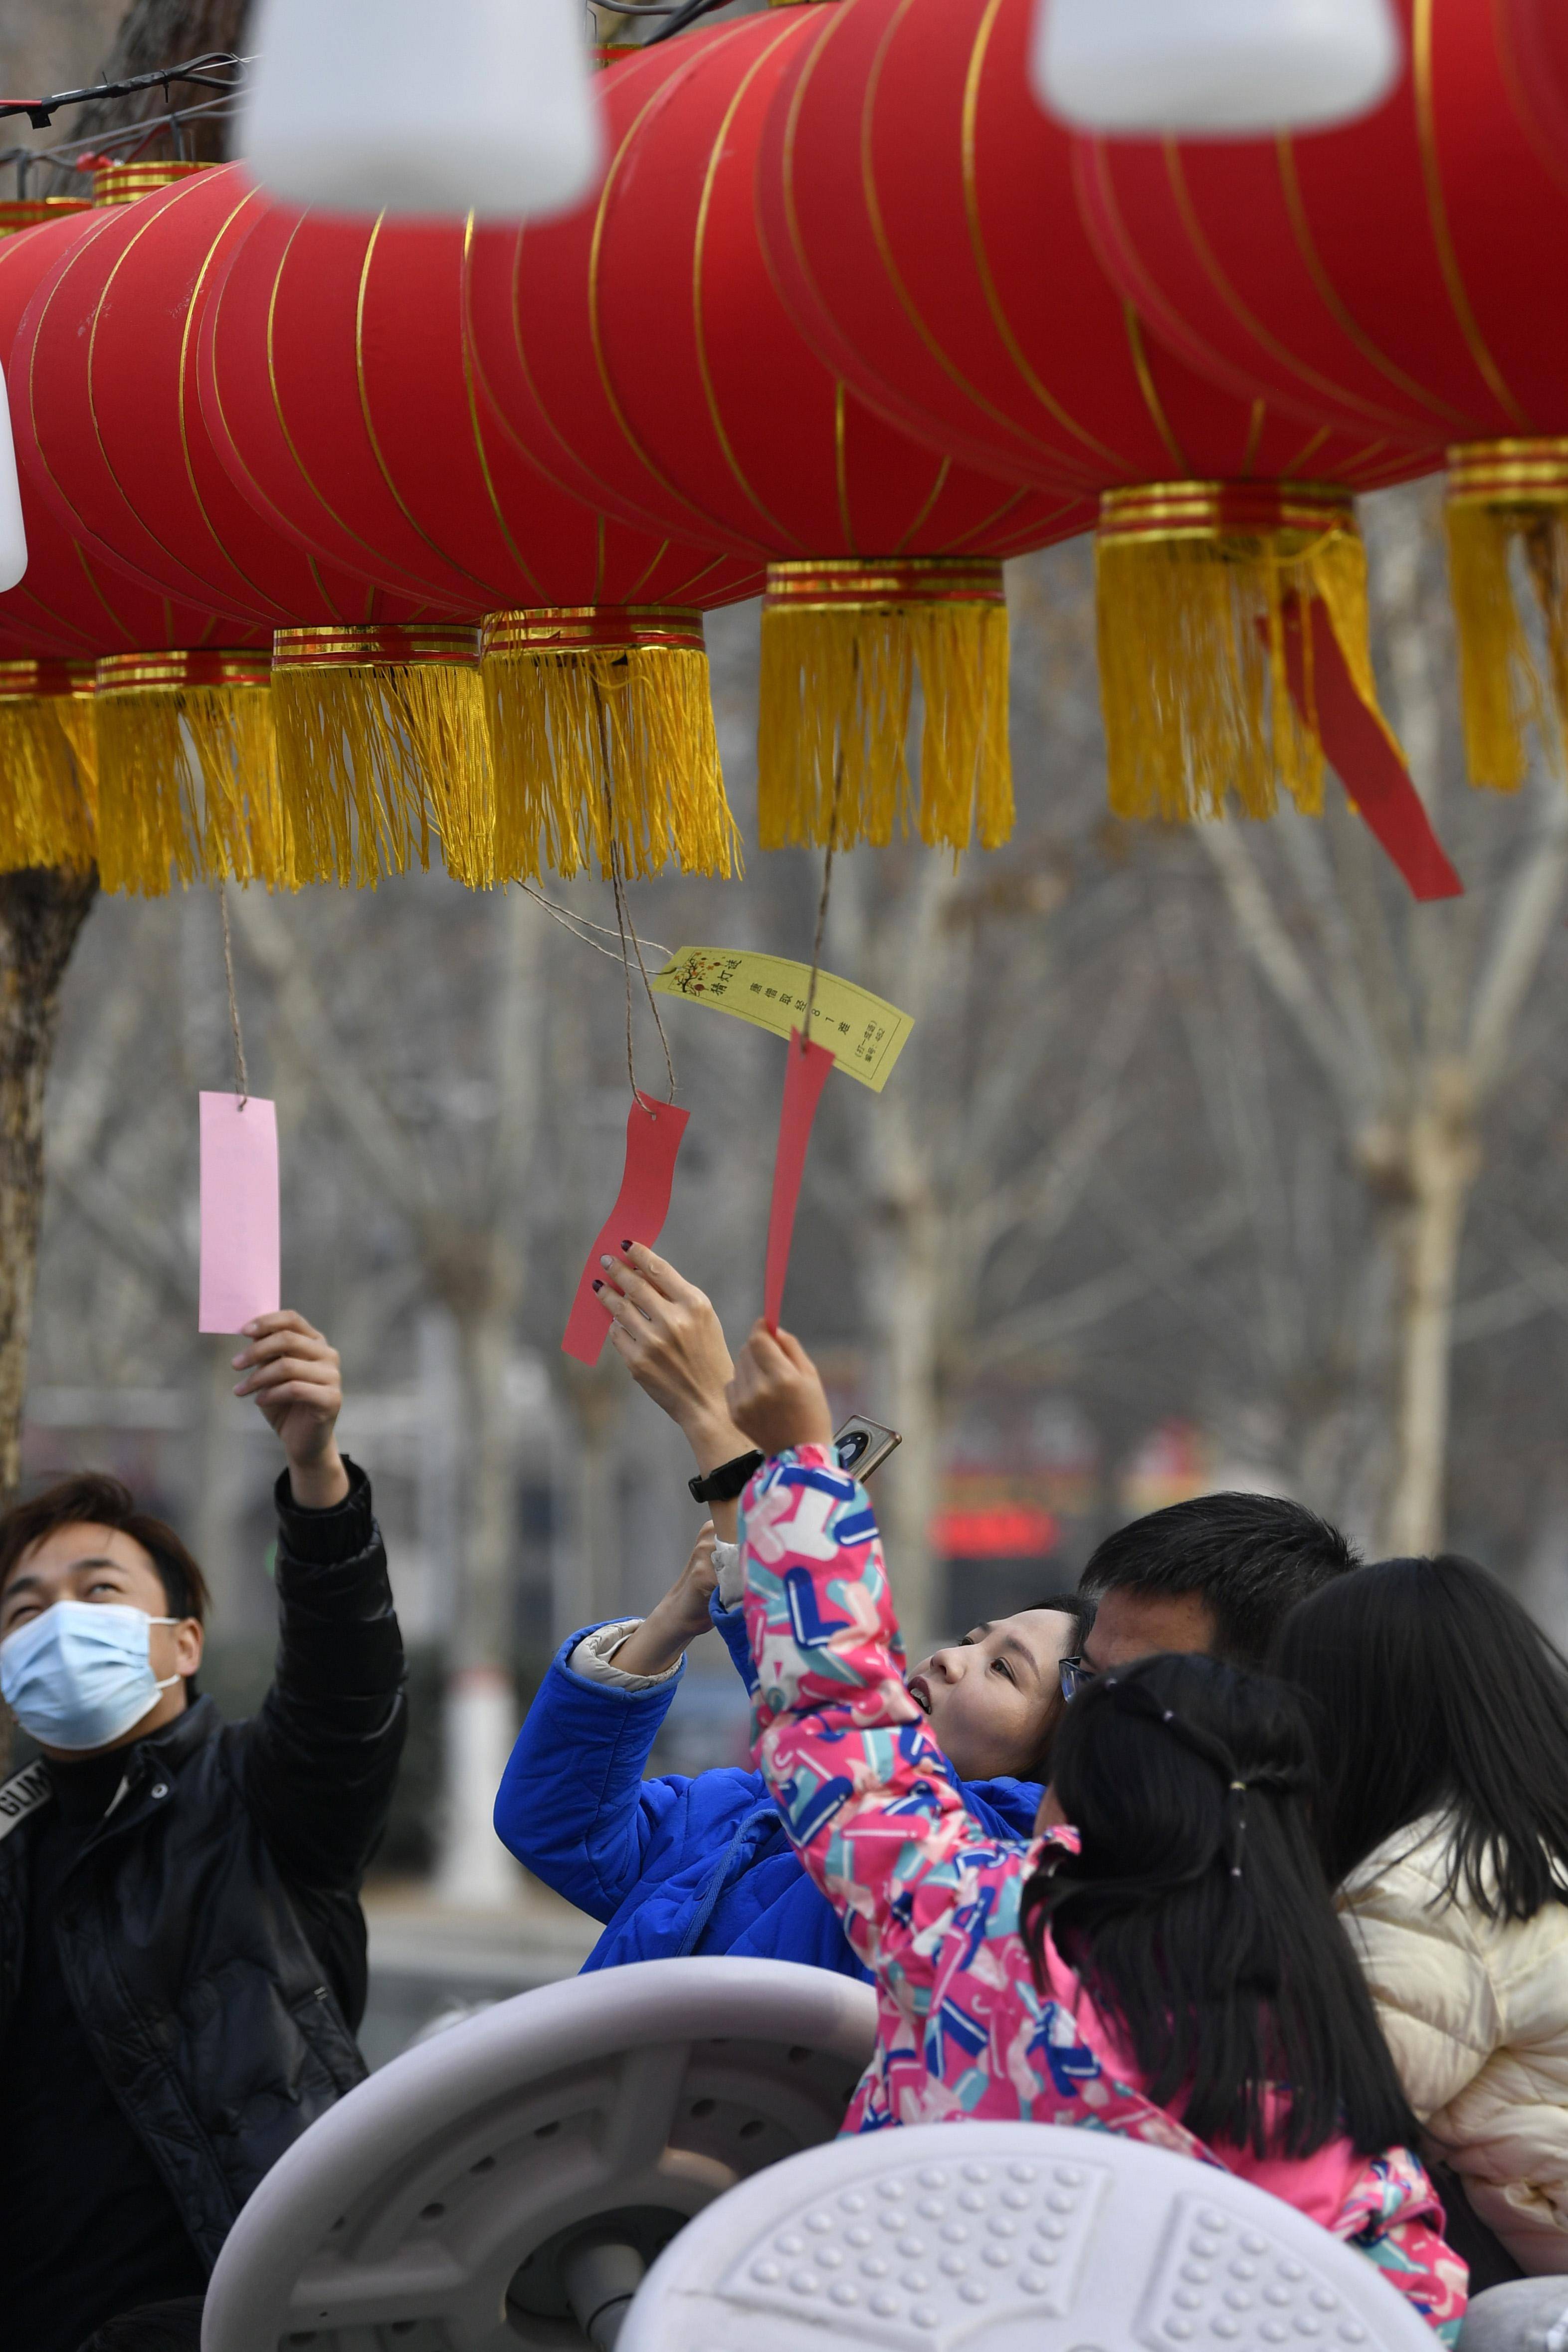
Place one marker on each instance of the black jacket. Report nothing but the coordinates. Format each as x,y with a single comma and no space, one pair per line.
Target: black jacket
210,1933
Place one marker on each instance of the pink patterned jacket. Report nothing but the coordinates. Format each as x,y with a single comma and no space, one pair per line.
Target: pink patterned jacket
930,1901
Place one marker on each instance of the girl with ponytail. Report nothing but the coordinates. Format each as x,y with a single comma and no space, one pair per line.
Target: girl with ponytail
1162,1958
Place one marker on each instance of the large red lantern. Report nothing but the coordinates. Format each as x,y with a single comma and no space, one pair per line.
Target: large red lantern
640,349
1409,272
114,434
920,213
79,634
336,381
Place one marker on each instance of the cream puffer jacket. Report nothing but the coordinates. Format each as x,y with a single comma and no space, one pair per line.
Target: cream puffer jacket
1475,2012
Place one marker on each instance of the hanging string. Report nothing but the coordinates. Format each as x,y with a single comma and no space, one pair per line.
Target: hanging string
242,1084
578,925
826,887
623,923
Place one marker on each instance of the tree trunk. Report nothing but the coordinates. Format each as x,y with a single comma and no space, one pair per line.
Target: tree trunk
1443,1159
481,1708
154,33
41,913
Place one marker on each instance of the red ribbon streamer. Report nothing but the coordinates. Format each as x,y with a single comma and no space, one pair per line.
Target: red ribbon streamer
654,1132
806,1069
1365,761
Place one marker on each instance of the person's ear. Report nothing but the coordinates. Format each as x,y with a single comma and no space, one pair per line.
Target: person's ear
189,1641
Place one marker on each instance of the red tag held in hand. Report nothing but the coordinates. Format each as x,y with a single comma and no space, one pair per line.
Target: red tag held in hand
805,1072
654,1132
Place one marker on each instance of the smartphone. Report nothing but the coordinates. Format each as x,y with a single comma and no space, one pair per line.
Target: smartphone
865,1445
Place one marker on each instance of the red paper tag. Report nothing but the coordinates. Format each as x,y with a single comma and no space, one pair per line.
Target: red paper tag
654,1132
1364,760
806,1068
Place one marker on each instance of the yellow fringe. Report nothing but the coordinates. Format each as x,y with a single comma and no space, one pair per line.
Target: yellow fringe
47,787
372,757
1195,697
188,789
835,698
606,743
1502,696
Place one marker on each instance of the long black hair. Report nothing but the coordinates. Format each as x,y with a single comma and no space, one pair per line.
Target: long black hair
1430,1689
1197,1916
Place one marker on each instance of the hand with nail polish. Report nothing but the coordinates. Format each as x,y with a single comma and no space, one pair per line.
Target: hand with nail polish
667,1334
295,1377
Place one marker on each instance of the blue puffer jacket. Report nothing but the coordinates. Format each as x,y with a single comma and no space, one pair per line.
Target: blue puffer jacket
673,1865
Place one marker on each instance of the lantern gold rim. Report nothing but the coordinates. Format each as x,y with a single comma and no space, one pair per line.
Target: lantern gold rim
1214,510
44,677
374,645
179,672
1514,472
835,582
582,628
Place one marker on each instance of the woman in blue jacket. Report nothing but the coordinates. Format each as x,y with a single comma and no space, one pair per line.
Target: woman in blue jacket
677,1864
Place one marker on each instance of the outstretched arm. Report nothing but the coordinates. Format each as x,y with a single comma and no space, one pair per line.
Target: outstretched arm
866,1795
665,1331
321,1756
295,1378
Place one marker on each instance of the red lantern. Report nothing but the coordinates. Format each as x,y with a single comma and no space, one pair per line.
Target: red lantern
920,215
1411,272
114,433
638,349
71,603
336,382
1533,48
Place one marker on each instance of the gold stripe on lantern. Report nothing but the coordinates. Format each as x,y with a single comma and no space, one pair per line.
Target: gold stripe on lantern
188,772
1193,582
1503,495
601,727
48,764
843,641
381,741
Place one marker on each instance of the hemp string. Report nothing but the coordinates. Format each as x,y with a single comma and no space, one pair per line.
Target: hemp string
623,922
242,1084
826,887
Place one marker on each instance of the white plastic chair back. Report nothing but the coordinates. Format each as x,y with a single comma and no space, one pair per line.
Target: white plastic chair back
1526,2316
438,2205
1009,2238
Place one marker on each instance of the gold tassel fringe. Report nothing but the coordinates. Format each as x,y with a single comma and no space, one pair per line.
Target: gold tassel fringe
1503,494
1193,581
381,741
188,773
842,644
602,725
48,765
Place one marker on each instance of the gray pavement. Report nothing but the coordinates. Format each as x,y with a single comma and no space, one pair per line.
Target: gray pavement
428,1962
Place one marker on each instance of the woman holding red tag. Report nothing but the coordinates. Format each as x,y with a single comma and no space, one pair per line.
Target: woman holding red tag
674,1864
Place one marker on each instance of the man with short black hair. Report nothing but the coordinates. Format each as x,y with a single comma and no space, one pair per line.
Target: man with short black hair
181,1947
1214,1574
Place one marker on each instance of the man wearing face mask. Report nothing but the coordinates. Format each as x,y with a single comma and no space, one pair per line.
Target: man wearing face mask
181,1947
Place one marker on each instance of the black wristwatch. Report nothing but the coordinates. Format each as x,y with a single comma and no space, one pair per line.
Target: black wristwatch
722,1484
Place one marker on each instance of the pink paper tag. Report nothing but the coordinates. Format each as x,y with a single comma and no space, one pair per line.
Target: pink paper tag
654,1132
805,1072
240,1277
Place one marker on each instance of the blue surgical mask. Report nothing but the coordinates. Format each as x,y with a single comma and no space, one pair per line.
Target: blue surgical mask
79,1675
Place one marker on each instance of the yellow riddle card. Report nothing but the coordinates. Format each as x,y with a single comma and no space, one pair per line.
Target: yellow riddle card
865,1035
